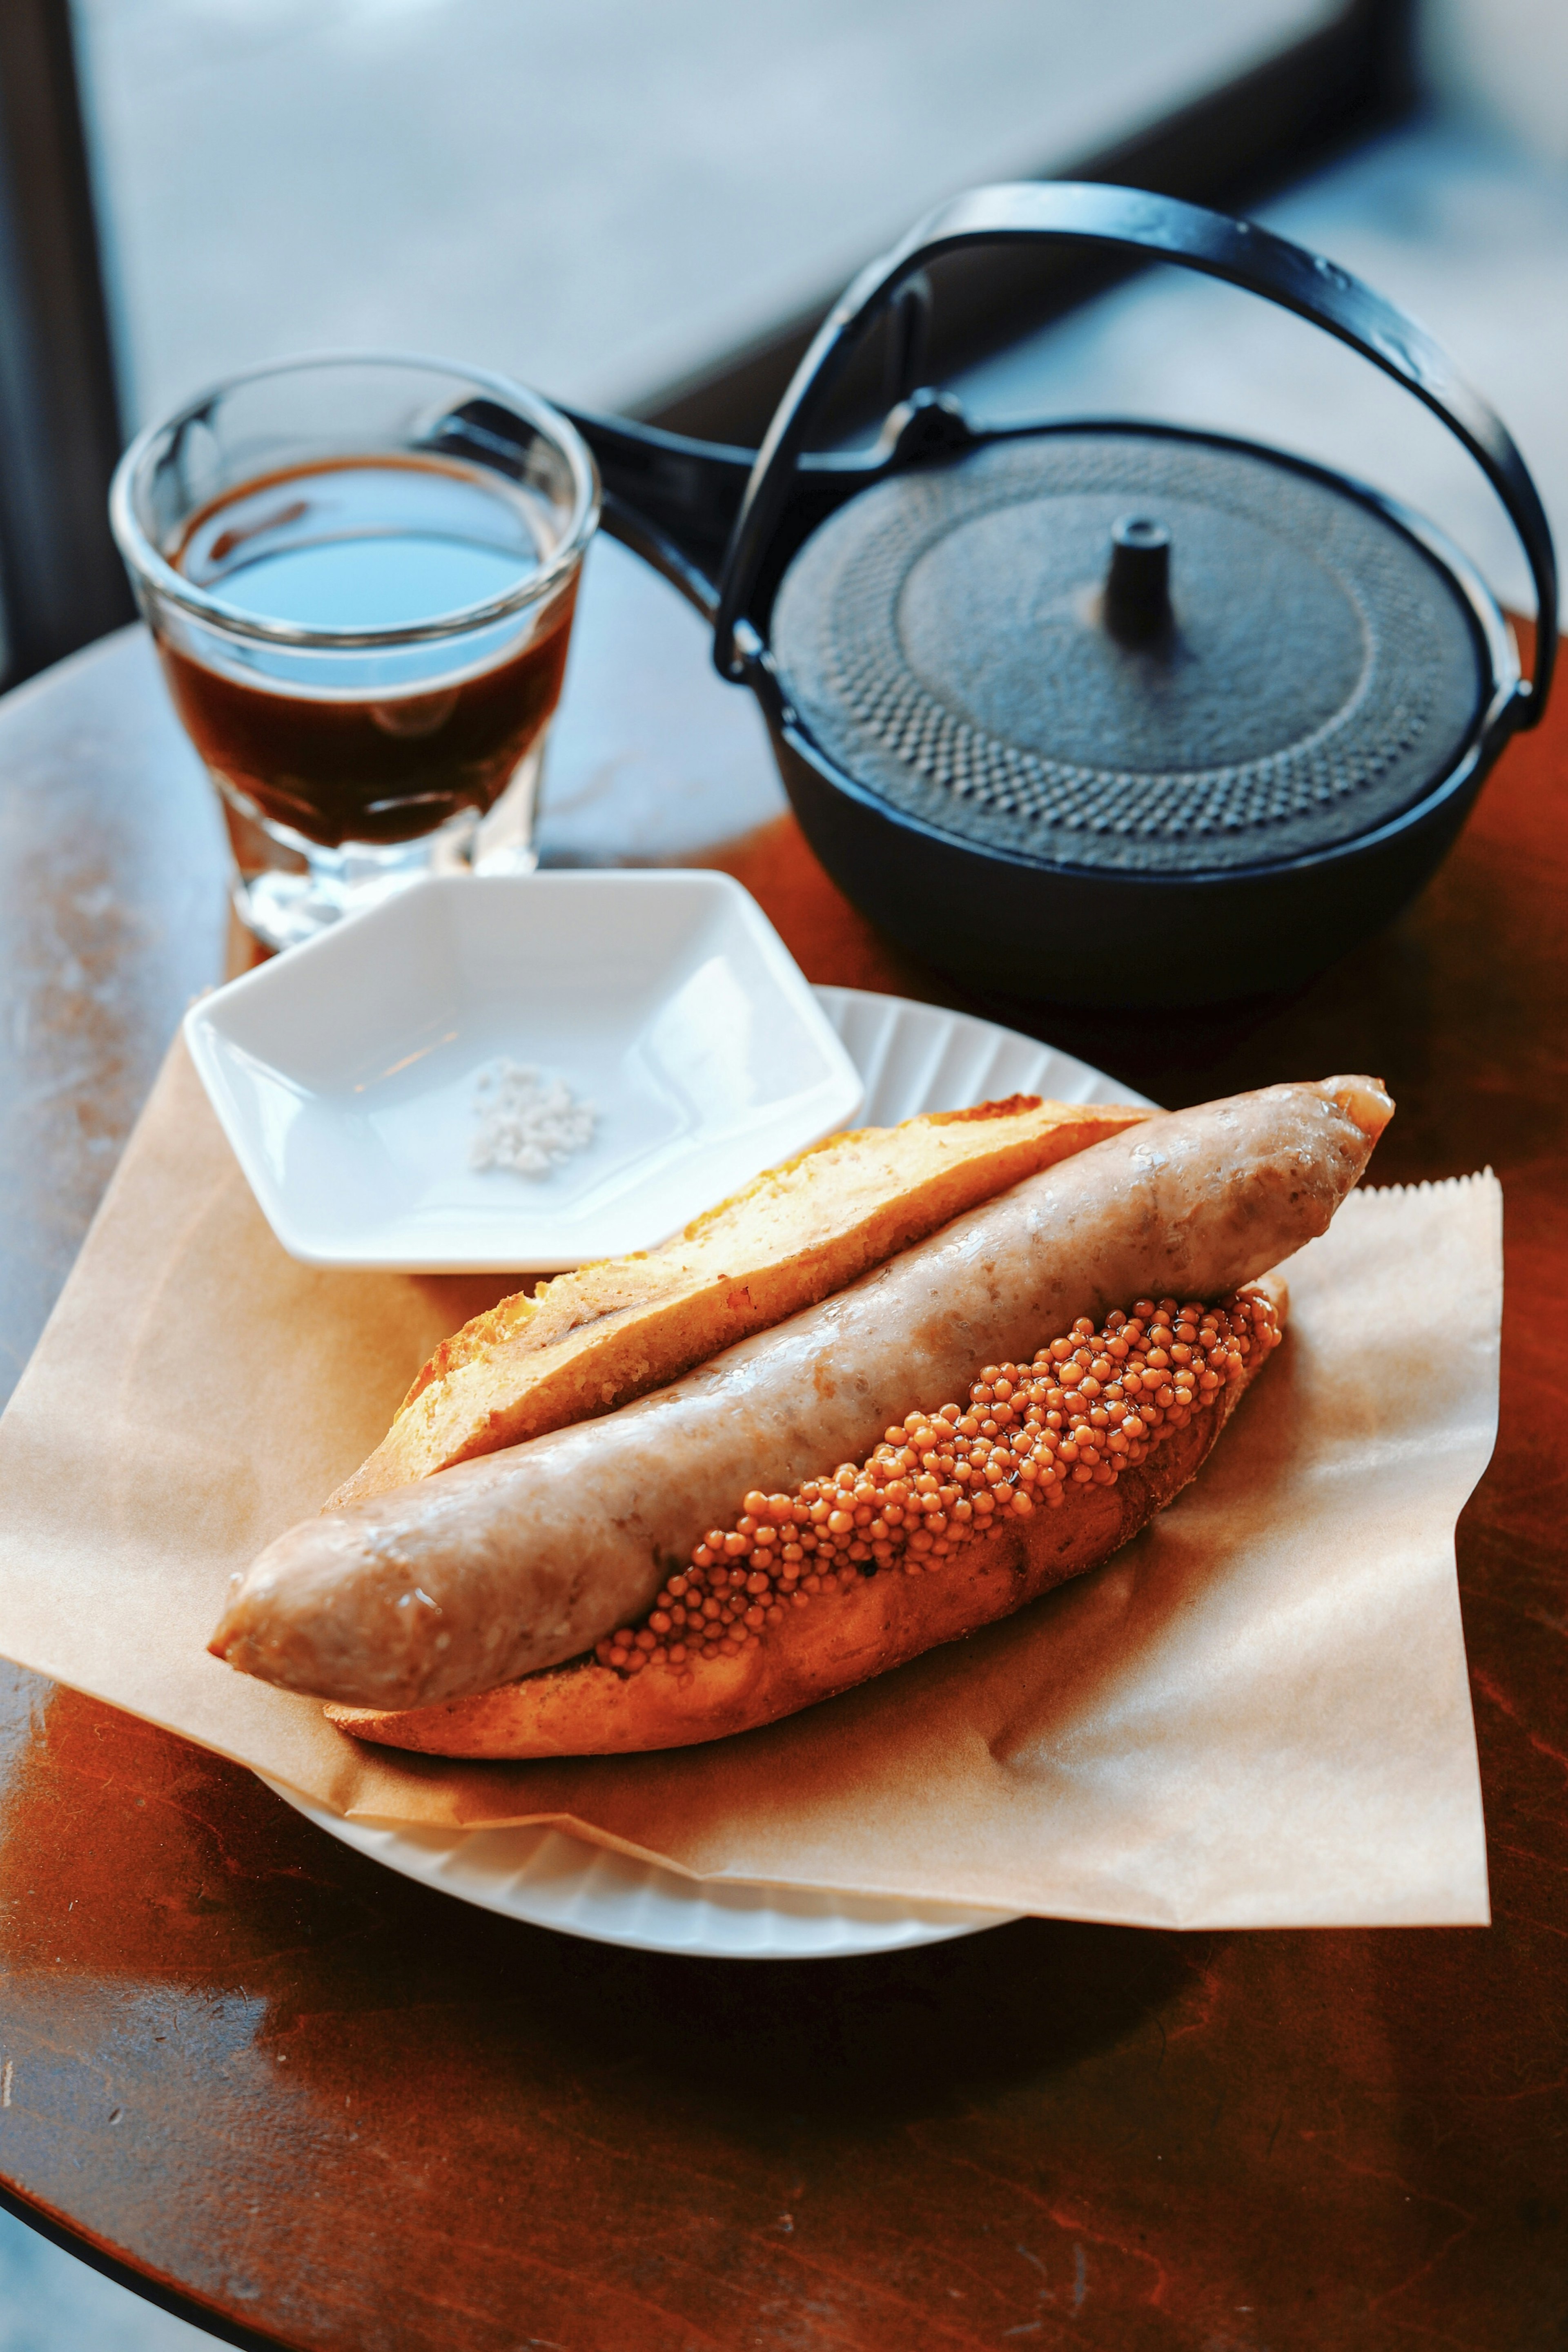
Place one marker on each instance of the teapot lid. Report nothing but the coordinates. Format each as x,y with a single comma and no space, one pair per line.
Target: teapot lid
1130,650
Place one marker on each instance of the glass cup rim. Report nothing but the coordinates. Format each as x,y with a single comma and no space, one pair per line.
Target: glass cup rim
148,565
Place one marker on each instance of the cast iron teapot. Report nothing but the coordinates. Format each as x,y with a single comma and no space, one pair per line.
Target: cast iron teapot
1097,710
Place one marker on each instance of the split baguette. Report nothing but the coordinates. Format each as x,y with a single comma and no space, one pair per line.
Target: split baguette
588,1708
613,1330
455,1585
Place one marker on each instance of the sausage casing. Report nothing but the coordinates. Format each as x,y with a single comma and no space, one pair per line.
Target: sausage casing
524,1558
857,1625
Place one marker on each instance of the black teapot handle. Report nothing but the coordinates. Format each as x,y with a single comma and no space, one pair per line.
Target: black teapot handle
1137,221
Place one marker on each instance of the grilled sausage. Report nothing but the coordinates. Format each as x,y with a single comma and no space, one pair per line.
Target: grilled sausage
890,1573
525,1557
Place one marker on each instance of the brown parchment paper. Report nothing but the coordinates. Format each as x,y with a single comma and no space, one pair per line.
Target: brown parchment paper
1258,1715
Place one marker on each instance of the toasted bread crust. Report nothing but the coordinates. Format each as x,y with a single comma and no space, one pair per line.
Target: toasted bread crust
583,1708
593,1340
518,1562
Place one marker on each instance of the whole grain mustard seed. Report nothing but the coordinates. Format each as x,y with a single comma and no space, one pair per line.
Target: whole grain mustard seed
1091,1405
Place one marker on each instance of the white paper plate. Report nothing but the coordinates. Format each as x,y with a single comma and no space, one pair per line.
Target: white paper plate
912,1057
554,1881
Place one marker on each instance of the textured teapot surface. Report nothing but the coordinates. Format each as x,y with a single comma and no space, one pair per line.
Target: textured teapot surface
1136,652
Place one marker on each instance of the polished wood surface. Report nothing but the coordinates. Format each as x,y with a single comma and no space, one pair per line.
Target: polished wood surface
320,2107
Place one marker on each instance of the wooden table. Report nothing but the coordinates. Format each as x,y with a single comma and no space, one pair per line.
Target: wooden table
313,2105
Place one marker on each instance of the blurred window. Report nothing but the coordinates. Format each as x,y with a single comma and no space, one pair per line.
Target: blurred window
598,196
630,208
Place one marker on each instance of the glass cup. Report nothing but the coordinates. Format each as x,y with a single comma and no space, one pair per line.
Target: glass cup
359,574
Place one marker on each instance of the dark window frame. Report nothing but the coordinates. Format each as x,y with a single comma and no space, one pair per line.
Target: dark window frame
61,581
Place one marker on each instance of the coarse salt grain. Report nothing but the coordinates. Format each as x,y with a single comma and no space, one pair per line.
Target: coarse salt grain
526,1123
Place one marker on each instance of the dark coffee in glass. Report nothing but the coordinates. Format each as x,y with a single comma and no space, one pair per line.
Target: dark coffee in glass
360,577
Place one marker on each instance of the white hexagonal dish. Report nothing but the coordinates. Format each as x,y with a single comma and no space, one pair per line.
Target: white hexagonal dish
346,1073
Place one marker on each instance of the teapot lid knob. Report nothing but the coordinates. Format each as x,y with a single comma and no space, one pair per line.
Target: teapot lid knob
1137,603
